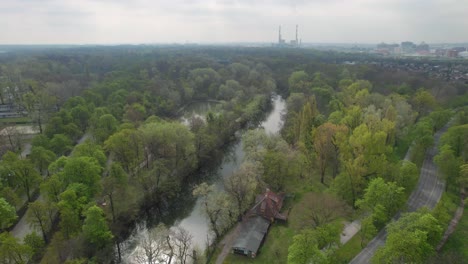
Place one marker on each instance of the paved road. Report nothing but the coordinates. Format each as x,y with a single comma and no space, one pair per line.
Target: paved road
427,193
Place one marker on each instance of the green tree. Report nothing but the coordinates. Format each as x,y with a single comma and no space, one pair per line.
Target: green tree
52,188
407,175
35,242
386,194
298,82
41,158
127,147
304,249
41,140
449,165
84,170
73,202
116,181
60,144
95,228
104,127
204,81
411,239
368,230
275,170
39,216
80,115
8,214
12,251
24,172
423,102
171,143
90,149
457,138
463,179
37,104
326,149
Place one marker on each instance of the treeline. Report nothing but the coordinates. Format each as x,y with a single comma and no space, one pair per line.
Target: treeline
354,141
343,145
117,151
111,149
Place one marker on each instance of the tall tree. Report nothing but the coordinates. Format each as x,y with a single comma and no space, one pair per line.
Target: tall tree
8,214
25,173
126,145
423,102
241,186
114,182
216,206
41,158
304,249
325,139
84,170
411,239
12,251
386,194
39,216
95,228
449,165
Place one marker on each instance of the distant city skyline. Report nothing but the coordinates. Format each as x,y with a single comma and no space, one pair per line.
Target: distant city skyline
231,21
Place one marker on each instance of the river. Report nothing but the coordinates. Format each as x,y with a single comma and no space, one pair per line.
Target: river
195,222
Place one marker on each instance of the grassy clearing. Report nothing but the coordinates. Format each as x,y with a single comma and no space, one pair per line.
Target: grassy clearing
16,120
349,250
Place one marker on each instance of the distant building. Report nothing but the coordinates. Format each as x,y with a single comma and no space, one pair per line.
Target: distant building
451,53
408,47
459,49
463,54
293,43
423,47
257,221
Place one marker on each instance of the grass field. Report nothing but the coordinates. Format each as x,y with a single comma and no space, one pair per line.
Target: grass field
16,120
349,250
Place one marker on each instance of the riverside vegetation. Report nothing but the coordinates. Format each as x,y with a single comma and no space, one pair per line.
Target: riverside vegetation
340,152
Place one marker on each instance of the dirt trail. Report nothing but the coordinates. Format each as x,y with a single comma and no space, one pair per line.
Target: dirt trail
226,243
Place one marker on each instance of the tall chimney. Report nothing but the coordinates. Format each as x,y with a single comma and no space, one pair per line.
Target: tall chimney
279,35
297,41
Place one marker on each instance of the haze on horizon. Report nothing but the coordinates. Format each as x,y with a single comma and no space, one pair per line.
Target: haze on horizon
223,21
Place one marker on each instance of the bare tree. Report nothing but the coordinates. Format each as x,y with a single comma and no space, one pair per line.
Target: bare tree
182,241
241,186
320,208
217,207
152,245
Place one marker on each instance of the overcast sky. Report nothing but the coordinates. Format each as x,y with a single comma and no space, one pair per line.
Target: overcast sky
208,21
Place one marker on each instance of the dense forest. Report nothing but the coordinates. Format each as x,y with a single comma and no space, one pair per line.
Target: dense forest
111,150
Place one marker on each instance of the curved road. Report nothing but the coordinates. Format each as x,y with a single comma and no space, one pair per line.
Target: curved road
427,193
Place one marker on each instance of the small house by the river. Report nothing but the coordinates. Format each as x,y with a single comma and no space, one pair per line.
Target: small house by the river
256,222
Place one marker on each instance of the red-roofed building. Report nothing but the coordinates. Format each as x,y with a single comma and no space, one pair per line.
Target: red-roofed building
256,222
268,205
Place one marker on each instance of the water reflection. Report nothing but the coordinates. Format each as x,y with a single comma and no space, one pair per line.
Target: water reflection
195,222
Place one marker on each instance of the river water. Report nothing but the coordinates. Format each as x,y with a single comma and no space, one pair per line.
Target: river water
195,222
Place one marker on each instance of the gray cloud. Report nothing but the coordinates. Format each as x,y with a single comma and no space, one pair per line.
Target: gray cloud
150,21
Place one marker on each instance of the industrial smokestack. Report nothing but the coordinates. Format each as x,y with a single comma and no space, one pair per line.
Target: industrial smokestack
297,41
279,35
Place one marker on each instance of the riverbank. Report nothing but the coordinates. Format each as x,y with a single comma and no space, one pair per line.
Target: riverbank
183,210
